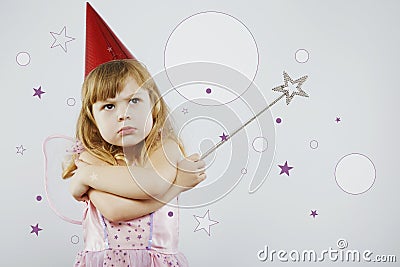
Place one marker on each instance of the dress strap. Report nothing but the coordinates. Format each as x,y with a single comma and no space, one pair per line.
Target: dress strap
151,232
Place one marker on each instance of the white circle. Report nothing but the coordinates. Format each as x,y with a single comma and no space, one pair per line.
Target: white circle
74,239
260,144
355,173
23,58
314,144
71,101
213,37
302,56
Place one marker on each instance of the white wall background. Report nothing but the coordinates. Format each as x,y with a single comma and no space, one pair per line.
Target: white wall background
353,49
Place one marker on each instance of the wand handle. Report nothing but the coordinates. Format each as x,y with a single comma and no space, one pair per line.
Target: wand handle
240,128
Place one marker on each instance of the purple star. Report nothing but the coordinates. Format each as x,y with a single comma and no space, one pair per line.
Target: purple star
337,119
285,168
115,237
36,229
314,213
224,137
139,236
38,92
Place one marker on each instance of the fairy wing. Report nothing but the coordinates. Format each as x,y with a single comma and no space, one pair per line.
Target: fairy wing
58,151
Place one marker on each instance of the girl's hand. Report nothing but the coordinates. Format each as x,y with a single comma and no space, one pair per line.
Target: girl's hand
191,171
77,188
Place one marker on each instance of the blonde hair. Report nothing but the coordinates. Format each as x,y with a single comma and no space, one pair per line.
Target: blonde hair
106,81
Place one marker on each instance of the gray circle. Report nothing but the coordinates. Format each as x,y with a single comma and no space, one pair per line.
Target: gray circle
226,163
71,101
314,144
302,55
23,58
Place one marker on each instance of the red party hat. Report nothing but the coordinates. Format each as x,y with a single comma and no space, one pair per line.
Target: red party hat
102,44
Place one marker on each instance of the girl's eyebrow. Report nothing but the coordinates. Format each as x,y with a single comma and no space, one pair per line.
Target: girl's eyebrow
113,100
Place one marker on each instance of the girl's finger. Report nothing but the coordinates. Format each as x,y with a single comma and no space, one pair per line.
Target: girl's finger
202,176
80,163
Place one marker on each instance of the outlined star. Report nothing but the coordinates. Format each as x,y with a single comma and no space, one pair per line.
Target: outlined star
36,229
223,137
61,39
185,111
299,91
337,119
285,168
204,223
20,149
313,213
38,92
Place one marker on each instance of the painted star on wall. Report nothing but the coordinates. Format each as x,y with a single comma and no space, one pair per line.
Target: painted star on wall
313,213
20,149
204,223
38,92
36,229
61,39
285,169
224,137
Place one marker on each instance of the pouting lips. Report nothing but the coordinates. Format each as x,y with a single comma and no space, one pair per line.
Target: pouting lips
127,130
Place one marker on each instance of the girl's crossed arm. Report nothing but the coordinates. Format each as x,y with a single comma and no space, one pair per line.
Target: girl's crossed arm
116,208
154,179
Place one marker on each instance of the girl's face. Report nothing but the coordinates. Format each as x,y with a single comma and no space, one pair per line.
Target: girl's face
125,120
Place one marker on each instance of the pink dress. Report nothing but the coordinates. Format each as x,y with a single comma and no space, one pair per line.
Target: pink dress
151,240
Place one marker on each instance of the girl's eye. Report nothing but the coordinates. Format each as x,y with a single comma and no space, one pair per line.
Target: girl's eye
135,100
108,107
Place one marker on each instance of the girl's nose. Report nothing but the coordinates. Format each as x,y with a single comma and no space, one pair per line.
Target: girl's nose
123,117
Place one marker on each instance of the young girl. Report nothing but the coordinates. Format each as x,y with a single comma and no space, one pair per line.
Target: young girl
128,168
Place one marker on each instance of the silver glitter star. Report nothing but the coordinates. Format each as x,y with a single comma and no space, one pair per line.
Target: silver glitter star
299,83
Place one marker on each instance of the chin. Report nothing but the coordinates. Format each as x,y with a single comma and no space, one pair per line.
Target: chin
130,142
